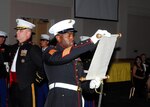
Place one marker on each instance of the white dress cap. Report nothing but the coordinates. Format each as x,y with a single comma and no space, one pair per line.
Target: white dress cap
82,38
45,37
23,24
3,34
61,26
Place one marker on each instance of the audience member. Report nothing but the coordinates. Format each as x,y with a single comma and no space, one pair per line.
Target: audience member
146,66
138,77
43,86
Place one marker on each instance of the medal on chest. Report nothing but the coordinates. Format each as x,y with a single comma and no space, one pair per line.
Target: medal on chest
23,52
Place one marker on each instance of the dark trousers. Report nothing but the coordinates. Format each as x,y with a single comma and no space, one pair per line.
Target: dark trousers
139,88
3,92
42,94
22,97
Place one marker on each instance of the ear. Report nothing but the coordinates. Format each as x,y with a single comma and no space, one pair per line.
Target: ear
29,34
58,38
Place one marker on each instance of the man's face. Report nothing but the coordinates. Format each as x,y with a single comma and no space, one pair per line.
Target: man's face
23,35
44,43
143,57
2,39
66,40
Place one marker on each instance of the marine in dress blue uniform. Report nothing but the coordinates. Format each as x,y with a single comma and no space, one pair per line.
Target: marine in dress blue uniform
27,66
42,90
86,58
62,68
4,57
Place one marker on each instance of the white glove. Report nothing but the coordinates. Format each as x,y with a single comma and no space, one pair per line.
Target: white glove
95,39
95,83
105,33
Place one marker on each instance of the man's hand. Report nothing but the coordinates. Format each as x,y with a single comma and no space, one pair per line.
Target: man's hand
106,33
38,79
99,33
95,83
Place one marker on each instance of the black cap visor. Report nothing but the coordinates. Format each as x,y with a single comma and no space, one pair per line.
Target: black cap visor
67,30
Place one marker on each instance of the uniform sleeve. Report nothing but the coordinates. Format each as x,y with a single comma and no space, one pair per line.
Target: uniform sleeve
1,59
36,56
55,57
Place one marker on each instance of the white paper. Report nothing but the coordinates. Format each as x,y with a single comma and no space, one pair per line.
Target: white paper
101,58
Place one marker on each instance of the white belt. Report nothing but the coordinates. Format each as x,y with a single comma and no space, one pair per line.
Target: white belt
64,85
